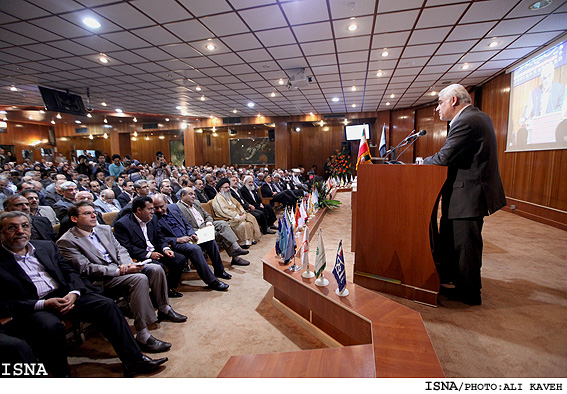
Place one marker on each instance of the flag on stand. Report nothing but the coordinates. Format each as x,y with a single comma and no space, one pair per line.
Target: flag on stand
290,245
363,152
279,237
382,148
320,261
339,269
305,249
297,217
315,198
303,212
283,237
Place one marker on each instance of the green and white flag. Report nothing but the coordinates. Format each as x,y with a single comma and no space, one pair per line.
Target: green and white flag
320,261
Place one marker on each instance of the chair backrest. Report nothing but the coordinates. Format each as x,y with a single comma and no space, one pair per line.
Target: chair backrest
56,228
208,207
265,200
108,217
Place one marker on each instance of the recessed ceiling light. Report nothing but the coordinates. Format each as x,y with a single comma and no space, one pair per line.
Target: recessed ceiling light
52,121
167,119
379,73
493,44
538,5
118,110
103,59
198,88
91,22
272,94
58,116
210,47
465,66
311,114
388,103
89,115
385,53
281,81
353,105
434,93
259,115
78,122
352,27
335,99
392,95
234,111
353,89
202,98
103,104
14,89
250,104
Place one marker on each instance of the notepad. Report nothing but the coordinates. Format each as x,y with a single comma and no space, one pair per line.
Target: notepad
205,234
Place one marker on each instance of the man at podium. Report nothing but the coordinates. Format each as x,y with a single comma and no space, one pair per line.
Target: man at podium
473,189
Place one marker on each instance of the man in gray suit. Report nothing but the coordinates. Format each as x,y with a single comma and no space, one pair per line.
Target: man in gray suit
107,203
98,256
473,190
199,218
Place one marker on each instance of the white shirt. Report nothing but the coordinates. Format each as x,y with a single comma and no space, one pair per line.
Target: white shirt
149,247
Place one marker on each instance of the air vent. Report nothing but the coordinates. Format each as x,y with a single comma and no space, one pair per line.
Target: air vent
333,116
147,126
233,120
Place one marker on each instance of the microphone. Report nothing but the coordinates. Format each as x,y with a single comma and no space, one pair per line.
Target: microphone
414,138
404,141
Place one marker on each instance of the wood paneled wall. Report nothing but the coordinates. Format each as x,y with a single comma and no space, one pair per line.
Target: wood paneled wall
22,134
428,119
403,122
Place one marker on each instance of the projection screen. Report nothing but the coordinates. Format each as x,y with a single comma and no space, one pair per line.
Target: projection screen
537,118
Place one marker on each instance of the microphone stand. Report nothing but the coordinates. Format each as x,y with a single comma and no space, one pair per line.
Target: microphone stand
402,143
413,139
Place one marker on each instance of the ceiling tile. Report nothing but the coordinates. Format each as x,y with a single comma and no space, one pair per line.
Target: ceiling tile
225,24
125,15
429,36
163,11
276,37
440,16
313,32
191,30
268,17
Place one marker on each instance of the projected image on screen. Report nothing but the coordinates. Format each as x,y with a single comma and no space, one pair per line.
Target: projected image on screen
538,102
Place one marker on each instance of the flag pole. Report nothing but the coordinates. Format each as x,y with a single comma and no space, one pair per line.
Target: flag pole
322,281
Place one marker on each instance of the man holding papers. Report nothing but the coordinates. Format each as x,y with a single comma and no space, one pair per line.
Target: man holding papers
181,237
98,256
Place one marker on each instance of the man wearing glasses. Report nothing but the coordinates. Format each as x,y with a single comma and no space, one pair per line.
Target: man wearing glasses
98,256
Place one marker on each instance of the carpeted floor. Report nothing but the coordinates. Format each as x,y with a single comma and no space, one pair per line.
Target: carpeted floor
518,331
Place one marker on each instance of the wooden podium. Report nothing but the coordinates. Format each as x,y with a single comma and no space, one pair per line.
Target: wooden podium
394,206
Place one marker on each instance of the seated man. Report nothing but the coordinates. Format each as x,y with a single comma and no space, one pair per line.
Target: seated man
251,209
200,191
243,224
127,194
139,233
179,234
271,189
38,288
167,190
39,210
68,190
41,228
107,202
199,218
250,195
98,256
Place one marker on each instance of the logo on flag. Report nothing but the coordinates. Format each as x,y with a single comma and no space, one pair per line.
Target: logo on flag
339,269
320,260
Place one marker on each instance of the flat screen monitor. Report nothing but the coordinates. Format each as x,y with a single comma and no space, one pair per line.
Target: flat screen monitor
58,101
354,132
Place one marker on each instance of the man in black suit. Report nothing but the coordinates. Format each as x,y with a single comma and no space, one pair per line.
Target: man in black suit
69,190
41,228
271,189
139,233
258,214
127,194
210,189
250,195
38,288
179,235
200,191
473,189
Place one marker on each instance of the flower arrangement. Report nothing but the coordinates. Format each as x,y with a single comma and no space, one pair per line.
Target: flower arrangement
341,165
323,193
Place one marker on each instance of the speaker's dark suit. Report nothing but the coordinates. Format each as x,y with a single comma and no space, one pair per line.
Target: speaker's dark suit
473,189
128,232
43,329
194,252
253,198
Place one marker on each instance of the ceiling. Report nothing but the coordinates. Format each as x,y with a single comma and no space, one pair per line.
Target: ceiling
158,57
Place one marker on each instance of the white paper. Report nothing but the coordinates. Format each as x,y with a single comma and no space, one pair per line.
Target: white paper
205,234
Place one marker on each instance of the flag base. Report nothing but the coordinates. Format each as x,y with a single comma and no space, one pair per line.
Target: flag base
295,268
322,282
308,274
343,293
